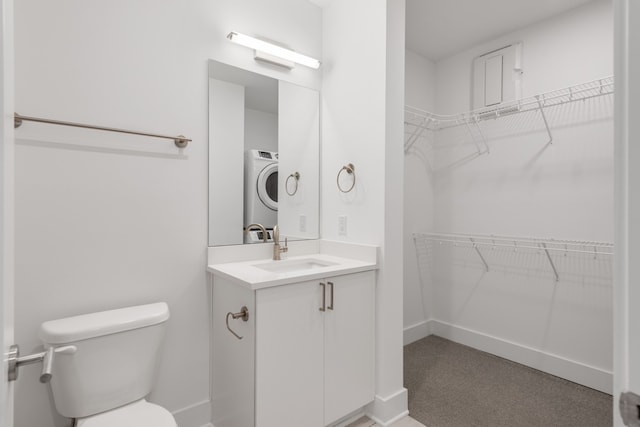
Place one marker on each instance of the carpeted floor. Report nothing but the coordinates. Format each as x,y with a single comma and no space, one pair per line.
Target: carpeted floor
452,385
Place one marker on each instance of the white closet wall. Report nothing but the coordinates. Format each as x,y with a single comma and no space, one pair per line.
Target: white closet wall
525,187
420,89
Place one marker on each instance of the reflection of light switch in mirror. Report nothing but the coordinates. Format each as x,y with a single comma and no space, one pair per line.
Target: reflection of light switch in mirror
303,223
342,225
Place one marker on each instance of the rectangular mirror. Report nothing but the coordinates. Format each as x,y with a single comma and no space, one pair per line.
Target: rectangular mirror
264,149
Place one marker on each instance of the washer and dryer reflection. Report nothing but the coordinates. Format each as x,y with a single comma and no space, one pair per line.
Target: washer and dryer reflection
260,192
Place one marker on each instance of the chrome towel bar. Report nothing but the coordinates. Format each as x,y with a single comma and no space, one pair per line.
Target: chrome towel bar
179,140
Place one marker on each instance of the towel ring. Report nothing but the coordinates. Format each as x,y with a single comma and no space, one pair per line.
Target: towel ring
242,314
296,176
351,171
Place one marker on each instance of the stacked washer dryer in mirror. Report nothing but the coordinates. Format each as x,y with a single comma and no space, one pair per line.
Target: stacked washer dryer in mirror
260,193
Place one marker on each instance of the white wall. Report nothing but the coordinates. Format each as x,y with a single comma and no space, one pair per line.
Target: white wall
362,124
226,123
420,92
260,130
105,220
527,188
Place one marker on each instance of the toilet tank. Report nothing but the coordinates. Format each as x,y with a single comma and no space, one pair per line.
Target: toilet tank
115,361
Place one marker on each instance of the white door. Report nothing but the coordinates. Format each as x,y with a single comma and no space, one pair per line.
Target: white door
349,346
627,187
6,204
289,356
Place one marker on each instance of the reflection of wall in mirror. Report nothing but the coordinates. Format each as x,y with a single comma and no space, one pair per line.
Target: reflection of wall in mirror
226,123
260,133
299,142
260,130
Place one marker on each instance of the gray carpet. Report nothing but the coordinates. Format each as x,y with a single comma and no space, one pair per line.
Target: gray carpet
452,385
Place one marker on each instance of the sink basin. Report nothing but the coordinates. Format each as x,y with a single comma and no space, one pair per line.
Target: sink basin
293,265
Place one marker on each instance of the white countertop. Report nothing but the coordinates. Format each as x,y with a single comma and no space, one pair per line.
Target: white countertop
250,275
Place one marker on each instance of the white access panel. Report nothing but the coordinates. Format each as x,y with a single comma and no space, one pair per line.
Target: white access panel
493,79
497,76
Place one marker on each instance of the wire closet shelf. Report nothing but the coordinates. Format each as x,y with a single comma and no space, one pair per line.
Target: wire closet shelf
546,246
417,121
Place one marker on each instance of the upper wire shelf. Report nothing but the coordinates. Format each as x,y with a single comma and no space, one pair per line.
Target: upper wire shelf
417,121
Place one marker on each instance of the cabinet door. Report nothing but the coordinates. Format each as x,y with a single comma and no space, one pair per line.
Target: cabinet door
289,356
349,344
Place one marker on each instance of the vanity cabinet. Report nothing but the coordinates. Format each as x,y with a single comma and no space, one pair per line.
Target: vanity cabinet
306,357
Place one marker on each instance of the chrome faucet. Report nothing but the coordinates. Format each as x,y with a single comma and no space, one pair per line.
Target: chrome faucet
261,227
277,250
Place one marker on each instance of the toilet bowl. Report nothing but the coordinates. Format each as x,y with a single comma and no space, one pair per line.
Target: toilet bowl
103,382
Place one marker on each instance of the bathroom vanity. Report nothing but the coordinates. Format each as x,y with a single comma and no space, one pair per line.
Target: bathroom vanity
302,352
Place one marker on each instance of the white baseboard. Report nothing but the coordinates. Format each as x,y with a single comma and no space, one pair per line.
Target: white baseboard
196,415
553,364
387,410
417,331
349,419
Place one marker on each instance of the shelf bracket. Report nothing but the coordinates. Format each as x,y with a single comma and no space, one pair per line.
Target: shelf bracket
484,138
553,266
544,119
475,246
473,138
417,133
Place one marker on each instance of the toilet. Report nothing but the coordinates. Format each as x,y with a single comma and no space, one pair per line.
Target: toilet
109,366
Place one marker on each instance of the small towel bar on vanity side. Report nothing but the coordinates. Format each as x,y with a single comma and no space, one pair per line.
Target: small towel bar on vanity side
179,140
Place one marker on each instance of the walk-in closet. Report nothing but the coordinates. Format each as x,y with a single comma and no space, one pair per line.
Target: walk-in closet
509,192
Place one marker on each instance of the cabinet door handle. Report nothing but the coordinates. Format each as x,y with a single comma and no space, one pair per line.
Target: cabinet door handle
331,288
324,297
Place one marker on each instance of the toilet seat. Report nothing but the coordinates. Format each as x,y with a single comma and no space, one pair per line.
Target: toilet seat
137,414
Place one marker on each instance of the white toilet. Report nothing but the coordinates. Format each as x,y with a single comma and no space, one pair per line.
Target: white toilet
104,380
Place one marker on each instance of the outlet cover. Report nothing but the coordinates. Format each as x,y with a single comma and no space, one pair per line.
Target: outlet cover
342,225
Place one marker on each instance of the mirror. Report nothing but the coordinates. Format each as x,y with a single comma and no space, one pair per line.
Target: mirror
264,148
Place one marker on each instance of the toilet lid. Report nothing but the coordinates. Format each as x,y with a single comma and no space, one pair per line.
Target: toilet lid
138,414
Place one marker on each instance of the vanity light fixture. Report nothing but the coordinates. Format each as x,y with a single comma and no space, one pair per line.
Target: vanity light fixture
272,53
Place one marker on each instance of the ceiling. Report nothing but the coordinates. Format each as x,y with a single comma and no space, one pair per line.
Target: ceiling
437,29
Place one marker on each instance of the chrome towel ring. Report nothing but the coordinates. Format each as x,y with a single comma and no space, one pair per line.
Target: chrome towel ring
296,176
351,171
